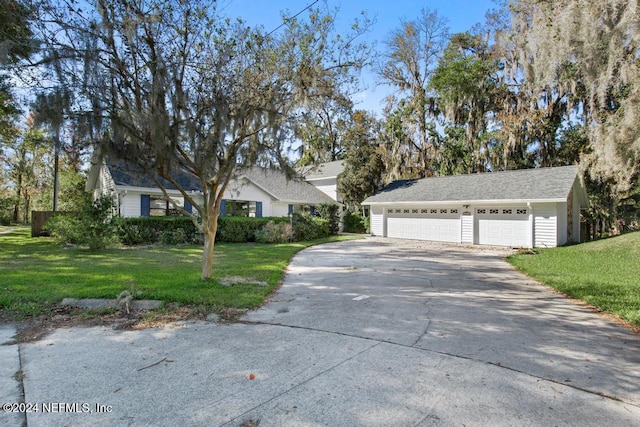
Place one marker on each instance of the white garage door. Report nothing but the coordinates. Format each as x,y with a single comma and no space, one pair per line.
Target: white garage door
436,224
503,226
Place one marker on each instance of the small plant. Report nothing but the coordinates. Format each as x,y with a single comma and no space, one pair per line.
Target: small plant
124,301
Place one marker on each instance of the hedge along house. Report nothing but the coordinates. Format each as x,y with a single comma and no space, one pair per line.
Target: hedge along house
520,208
257,192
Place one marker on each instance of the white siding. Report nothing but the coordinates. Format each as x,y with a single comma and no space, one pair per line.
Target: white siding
545,219
276,209
562,224
377,221
327,186
467,227
130,206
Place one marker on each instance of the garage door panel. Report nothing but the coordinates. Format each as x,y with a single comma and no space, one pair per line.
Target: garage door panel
503,227
441,227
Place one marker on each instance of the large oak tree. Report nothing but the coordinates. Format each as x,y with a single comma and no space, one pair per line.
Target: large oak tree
174,86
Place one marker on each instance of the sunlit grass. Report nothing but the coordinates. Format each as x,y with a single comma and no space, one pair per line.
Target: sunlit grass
36,273
605,273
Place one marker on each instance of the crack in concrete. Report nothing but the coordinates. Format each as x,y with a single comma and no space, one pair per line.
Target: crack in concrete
443,353
19,377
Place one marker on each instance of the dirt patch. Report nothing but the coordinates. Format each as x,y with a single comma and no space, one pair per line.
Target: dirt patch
38,327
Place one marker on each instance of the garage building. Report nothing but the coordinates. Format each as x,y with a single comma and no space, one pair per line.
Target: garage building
520,208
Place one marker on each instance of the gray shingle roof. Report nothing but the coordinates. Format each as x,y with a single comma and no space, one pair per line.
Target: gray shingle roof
322,170
526,184
128,174
294,190
273,181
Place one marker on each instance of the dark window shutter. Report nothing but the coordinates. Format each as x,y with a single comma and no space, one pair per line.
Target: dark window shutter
145,205
223,207
187,206
312,210
290,209
259,209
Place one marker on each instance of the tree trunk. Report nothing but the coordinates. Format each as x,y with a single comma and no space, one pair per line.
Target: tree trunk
210,226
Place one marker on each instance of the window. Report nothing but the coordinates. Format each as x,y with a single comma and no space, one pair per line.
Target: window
240,208
159,206
398,210
424,211
389,210
415,211
481,211
521,211
443,211
454,211
494,211
433,211
507,211
406,211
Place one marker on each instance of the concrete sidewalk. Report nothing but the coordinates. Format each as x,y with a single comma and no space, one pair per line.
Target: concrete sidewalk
365,333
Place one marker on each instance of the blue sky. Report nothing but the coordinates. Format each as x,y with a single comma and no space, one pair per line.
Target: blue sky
460,14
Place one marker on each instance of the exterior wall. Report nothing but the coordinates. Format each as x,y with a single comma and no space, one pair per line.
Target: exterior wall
104,185
377,221
576,238
545,225
327,186
246,191
277,209
562,209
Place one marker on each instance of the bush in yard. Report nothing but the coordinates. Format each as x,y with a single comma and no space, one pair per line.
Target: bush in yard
307,227
149,230
241,229
273,232
354,222
92,226
331,213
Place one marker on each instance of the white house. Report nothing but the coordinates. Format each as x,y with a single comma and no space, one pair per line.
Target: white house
520,208
254,192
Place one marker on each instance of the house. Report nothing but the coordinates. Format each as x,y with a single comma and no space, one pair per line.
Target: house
325,177
255,192
520,208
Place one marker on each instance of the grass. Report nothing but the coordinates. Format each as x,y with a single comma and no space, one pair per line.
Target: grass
36,274
604,273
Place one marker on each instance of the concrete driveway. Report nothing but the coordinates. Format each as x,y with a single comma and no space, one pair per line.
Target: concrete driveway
364,333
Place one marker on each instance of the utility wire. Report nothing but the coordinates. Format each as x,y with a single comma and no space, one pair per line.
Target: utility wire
291,17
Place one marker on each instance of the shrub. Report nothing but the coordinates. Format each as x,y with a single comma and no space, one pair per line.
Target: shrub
307,227
150,230
331,213
273,232
93,226
354,222
242,229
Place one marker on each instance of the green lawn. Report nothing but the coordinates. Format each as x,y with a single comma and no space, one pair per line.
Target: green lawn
36,273
604,273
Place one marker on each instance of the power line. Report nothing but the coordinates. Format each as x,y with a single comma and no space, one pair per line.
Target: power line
291,17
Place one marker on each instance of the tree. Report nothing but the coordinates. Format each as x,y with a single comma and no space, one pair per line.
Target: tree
465,83
412,53
28,170
590,47
363,170
181,90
